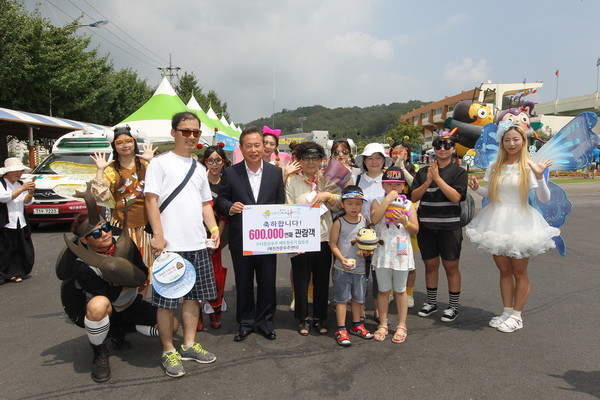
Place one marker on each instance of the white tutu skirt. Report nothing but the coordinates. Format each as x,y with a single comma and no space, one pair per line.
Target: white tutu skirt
511,230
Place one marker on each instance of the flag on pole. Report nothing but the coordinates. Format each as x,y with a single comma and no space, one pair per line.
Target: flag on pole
598,62
556,73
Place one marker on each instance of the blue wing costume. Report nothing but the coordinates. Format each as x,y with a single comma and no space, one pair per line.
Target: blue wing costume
570,149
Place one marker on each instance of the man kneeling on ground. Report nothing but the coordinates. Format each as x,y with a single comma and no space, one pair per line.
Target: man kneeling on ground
111,309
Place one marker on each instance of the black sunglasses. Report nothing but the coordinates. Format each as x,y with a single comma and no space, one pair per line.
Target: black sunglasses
445,145
97,233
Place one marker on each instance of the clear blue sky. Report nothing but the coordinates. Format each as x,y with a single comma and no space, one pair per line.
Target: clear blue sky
339,53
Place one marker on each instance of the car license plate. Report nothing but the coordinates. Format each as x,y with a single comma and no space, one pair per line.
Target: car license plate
45,210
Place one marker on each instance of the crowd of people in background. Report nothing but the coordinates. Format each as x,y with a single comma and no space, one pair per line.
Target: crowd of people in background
174,203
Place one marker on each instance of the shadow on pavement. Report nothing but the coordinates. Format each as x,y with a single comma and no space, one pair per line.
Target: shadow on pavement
587,382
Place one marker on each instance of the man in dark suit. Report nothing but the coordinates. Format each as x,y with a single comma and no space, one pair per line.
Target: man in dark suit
251,181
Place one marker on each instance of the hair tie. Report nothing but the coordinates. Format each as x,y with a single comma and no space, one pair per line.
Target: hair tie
274,132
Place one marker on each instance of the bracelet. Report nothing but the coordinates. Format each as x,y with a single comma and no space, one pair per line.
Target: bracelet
214,228
331,197
407,224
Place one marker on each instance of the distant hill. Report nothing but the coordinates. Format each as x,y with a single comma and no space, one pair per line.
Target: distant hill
345,122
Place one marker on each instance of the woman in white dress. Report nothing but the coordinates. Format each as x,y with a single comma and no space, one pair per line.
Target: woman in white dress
509,228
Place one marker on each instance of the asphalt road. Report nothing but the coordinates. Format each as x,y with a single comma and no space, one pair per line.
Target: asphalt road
555,356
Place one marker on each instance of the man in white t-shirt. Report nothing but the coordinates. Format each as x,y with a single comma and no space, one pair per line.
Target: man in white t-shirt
180,228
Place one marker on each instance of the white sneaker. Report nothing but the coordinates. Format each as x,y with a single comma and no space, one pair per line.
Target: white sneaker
411,302
498,320
511,324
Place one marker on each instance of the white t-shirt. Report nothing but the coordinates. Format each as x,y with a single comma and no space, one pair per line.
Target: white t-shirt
182,220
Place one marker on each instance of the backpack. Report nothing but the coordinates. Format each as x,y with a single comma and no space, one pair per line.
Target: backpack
72,297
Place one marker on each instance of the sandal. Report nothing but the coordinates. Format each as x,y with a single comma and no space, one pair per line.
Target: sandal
304,328
15,279
320,326
400,334
380,333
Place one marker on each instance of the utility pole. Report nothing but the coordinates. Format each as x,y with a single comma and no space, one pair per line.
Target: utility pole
168,71
302,119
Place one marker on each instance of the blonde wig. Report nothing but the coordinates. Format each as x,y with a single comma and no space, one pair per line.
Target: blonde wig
523,167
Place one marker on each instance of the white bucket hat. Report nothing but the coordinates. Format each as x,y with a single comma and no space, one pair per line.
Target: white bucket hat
13,164
371,149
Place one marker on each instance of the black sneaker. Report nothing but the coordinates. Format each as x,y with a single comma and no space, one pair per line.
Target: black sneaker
450,314
427,310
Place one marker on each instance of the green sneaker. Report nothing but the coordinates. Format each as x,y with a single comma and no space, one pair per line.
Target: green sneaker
198,354
171,362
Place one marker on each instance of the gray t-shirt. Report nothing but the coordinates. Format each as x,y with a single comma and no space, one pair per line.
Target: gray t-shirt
348,232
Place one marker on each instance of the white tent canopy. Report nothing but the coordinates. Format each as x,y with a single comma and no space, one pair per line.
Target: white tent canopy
154,117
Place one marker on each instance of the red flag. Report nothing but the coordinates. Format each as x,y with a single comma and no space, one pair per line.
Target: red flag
556,73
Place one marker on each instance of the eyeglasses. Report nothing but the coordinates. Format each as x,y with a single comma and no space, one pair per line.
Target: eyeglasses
340,152
188,132
446,145
211,161
97,233
311,158
124,141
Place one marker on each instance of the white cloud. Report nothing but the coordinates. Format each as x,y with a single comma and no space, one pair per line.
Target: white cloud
466,72
360,44
341,52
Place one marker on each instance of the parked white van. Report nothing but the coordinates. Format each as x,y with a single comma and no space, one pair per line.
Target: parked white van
74,147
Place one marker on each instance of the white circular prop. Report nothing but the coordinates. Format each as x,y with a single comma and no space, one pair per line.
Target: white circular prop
168,268
173,276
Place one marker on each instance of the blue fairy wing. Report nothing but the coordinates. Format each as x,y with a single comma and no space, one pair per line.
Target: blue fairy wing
486,147
560,245
571,148
554,211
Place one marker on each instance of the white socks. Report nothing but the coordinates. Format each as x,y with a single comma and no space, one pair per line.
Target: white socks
97,330
147,330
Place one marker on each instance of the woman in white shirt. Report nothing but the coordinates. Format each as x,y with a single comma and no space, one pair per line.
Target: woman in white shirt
17,254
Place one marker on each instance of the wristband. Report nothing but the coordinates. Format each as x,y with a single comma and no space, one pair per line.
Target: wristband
331,198
407,224
214,228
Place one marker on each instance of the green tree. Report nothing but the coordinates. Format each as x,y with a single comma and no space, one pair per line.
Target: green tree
50,70
360,146
219,107
406,132
187,86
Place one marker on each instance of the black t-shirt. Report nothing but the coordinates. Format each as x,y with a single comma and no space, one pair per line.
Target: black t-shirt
435,211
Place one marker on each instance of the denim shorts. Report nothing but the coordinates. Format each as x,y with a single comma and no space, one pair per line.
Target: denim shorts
348,286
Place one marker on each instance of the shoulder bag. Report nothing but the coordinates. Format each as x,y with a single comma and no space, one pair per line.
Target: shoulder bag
178,189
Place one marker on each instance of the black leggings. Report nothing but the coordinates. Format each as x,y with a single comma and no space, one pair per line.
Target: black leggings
317,263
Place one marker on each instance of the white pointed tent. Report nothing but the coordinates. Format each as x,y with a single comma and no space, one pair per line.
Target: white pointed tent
223,126
154,117
206,125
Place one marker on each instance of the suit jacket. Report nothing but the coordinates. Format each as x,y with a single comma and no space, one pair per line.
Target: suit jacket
235,186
